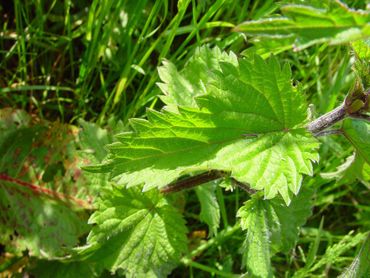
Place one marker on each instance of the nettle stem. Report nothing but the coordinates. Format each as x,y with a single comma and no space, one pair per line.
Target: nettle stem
327,119
316,127
192,181
202,178
353,105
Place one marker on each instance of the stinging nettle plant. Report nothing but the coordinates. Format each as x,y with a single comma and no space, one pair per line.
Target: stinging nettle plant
230,122
237,120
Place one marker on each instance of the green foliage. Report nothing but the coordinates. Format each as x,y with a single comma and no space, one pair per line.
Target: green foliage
63,270
209,208
336,24
333,253
94,139
354,168
358,133
243,119
271,227
141,233
362,63
43,219
44,228
250,113
360,266
181,88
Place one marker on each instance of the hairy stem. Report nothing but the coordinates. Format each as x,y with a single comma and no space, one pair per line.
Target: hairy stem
192,181
243,186
327,119
202,178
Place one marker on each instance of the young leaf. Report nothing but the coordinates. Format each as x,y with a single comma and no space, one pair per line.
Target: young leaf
259,219
139,233
250,123
209,208
271,227
308,25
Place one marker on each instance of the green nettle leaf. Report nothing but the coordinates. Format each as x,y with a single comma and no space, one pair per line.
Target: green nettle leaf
250,122
181,88
271,227
209,209
140,233
265,46
255,215
308,25
357,132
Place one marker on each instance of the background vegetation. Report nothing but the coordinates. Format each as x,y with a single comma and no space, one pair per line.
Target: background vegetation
71,67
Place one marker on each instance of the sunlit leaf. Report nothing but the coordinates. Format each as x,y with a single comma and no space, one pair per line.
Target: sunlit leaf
250,122
335,24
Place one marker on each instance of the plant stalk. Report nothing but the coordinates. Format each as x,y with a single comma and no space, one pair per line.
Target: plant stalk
192,181
327,119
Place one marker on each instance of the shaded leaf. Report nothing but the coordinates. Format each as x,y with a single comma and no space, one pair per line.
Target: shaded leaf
41,226
56,269
139,233
94,138
209,208
43,192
